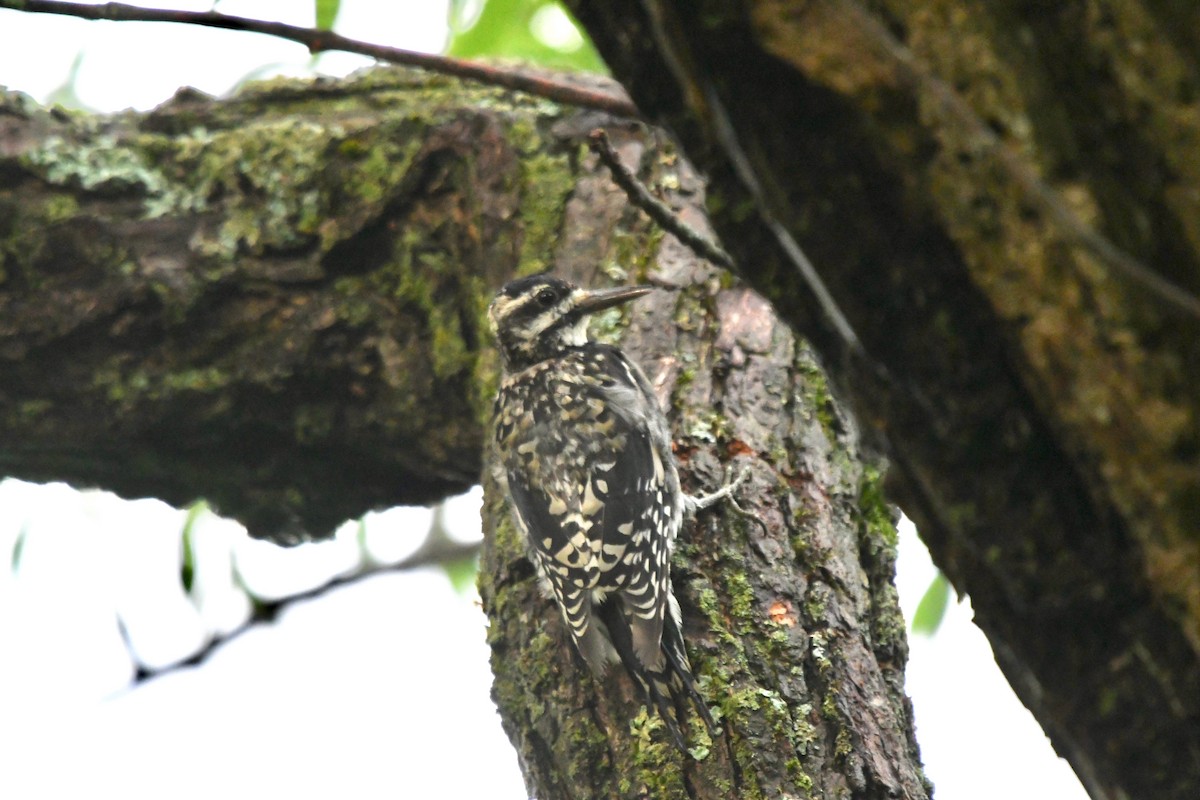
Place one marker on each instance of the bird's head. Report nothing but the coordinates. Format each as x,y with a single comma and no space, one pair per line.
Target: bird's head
540,316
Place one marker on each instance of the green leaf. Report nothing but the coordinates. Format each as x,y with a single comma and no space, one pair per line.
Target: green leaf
932,608
360,537
18,548
462,573
64,94
188,571
327,11
510,29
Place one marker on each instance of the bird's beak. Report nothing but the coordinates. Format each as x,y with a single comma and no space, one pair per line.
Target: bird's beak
590,301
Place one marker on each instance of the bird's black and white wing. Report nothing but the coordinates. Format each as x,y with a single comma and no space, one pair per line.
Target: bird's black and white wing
595,523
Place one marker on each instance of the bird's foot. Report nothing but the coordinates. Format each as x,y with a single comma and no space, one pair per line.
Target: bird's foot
725,493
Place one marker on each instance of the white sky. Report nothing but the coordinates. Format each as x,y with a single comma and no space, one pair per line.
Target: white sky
378,689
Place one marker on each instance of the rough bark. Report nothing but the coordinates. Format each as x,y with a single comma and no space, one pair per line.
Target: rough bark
276,302
1002,201
795,629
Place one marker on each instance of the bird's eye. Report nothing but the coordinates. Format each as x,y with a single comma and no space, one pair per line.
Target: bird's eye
547,297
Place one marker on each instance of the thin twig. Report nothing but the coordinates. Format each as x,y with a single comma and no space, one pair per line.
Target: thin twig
319,41
436,549
657,210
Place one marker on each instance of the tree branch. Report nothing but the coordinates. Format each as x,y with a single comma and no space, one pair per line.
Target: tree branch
612,101
437,549
1029,275
989,144
276,303
640,197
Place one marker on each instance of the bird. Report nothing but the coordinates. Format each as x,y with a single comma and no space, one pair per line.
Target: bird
583,452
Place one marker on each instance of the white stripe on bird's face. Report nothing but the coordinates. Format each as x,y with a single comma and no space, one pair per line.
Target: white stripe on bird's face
505,313
573,335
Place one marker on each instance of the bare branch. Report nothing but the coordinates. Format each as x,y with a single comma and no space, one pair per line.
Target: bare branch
437,549
319,41
657,210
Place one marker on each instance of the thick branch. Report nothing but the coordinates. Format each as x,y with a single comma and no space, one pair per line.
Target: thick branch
994,197
274,302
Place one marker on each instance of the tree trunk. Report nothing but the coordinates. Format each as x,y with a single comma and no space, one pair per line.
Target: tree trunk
794,629
277,302
1001,204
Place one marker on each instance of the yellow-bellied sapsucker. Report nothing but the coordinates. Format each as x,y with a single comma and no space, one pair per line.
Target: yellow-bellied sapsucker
585,453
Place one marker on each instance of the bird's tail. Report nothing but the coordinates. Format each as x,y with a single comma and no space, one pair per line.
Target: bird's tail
670,686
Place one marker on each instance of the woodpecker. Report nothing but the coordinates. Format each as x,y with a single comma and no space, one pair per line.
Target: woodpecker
584,452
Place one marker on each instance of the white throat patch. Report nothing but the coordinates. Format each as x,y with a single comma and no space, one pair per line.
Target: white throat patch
576,335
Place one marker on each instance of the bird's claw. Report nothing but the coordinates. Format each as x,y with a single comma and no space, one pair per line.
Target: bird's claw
728,487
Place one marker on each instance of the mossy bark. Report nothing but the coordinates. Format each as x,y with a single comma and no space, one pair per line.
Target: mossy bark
274,302
1002,201
795,631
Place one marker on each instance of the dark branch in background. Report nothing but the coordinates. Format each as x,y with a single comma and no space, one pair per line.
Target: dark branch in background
1068,221
438,549
657,210
319,41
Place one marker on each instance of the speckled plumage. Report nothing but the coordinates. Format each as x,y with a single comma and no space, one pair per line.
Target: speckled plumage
585,455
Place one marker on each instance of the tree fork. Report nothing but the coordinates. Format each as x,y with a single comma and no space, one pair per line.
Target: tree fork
276,302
